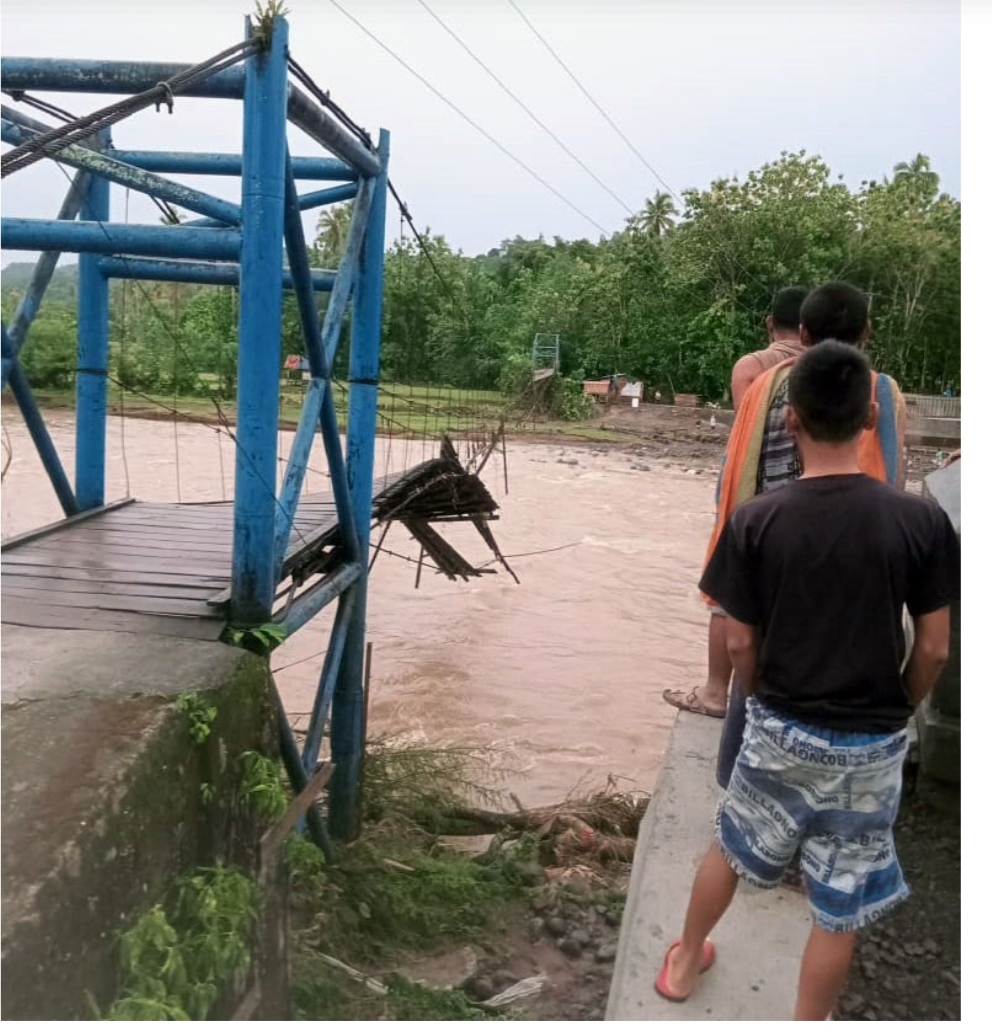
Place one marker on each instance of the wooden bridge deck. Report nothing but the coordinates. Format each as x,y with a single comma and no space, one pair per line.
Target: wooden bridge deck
165,568
138,567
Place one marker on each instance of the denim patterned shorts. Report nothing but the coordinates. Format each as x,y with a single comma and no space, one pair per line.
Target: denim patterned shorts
834,796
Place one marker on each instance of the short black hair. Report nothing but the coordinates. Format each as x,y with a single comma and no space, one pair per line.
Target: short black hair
830,391
835,310
785,308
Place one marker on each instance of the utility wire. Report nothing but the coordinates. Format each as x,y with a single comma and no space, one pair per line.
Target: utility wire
592,100
451,104
492,75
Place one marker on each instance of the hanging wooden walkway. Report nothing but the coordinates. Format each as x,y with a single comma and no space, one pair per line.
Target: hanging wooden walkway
136,567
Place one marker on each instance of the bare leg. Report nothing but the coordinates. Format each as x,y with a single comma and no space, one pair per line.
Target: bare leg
714,691
826,962
710,699
712,893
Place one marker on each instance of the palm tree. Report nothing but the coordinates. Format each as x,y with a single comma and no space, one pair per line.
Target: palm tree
332,232
658,215
918,174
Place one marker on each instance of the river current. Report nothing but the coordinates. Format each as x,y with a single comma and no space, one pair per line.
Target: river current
562,674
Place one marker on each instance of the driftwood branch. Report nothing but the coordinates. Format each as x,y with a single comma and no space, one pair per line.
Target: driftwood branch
603,825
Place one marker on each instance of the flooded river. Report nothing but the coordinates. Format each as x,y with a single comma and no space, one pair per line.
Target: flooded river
563,673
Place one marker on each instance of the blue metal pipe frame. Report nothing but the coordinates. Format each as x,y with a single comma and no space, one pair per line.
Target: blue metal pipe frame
251,257
304,168
177,242
37,429
203,164
134,76
313,200
320,346
29,305
348,724
299,454
253,566
330,670
228,274
130,176
93,337
313,600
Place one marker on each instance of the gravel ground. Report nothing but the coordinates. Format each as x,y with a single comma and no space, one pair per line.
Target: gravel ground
908,967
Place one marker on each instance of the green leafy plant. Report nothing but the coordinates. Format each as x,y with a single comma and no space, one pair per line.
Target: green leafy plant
261,640
154,970
175,963
260,787
307,863
215,912
199,714
265,18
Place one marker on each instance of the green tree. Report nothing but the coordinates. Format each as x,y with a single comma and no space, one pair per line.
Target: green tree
909,260
923,181
48,357
658,215
333,225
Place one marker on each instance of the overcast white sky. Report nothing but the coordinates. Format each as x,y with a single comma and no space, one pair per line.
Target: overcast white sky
703,88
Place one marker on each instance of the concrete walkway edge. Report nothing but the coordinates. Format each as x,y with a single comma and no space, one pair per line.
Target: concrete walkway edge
760,939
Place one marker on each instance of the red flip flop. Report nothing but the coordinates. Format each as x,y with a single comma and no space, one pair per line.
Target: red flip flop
661,984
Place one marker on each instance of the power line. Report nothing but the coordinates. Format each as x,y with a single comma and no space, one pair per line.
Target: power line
592,100
544,183
523,105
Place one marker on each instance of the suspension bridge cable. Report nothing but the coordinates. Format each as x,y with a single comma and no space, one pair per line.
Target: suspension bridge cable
345,119
42,105
54,140
324,97
492,75
592,100
451,104
170,214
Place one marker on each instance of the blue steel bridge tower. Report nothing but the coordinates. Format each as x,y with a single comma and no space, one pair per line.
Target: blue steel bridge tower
285,561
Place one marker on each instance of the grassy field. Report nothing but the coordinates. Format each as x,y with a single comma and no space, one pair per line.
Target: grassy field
404,411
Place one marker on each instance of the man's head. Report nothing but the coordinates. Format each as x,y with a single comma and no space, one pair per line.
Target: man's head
835,310
784,315
830,393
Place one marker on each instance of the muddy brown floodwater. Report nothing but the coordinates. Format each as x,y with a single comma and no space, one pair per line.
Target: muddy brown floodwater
563,674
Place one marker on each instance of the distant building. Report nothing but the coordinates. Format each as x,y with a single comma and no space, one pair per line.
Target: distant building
632,393
605,390
297,367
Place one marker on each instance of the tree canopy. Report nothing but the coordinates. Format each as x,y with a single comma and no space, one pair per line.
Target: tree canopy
672,302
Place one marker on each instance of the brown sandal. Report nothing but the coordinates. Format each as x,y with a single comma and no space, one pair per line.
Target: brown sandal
689,701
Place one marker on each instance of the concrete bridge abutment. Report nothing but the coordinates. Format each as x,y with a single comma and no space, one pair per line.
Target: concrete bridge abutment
119,780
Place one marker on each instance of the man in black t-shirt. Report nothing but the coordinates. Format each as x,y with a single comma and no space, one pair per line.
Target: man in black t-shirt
814,578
